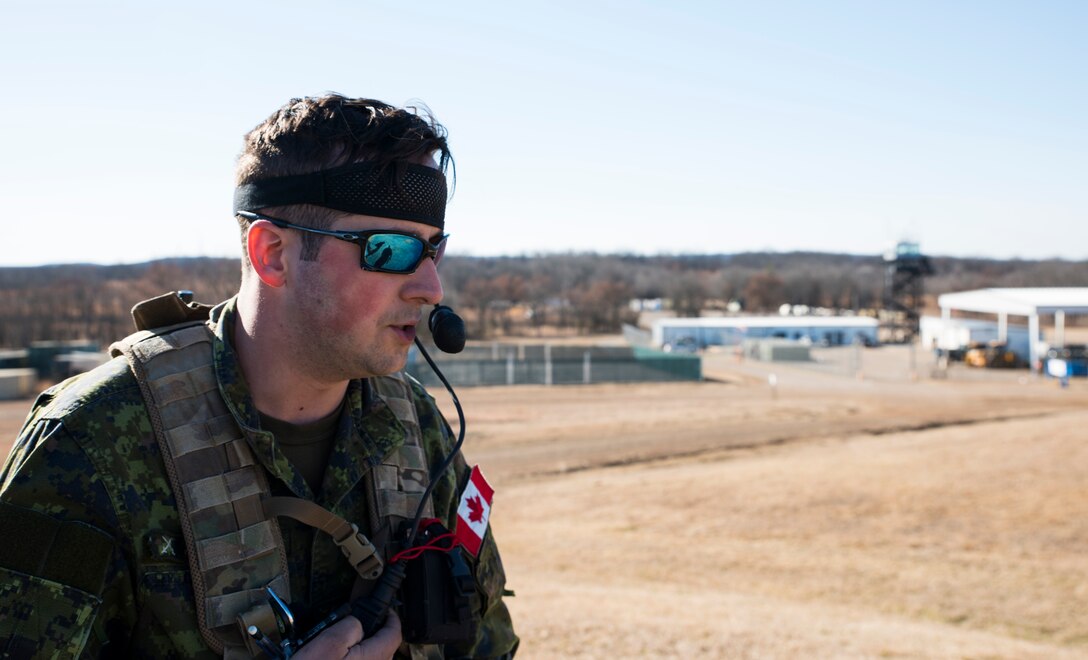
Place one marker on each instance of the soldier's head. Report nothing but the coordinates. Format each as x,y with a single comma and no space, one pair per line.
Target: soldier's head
314,134
342,207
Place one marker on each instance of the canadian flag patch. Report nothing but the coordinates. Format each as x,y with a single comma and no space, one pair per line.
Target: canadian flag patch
473,512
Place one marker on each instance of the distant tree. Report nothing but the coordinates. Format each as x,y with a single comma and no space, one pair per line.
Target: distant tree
477,293
763,292
540,292
510,289
601,306
688,293
803,288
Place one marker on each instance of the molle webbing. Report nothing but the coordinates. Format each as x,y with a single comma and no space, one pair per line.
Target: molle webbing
402,477
216,480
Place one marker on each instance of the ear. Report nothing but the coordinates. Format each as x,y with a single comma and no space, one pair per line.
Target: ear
267,252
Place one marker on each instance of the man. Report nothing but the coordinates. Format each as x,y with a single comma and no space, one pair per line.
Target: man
148,506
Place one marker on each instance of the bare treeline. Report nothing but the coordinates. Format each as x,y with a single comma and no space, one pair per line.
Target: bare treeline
573,293
94,302
592,293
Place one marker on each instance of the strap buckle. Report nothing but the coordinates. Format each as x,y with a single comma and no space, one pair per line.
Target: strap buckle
361,554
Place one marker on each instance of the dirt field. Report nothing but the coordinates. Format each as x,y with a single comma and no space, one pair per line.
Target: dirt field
855,511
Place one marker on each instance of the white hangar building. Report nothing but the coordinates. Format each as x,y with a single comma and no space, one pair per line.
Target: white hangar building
701,332
1027,302
955,333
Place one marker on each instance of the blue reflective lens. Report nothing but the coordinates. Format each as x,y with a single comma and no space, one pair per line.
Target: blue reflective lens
392,252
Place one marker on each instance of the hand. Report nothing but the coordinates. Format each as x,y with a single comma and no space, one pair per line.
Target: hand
345,640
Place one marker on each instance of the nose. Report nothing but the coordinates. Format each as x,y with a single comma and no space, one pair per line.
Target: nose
424,285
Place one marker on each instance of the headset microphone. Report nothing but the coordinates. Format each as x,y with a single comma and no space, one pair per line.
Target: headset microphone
447,329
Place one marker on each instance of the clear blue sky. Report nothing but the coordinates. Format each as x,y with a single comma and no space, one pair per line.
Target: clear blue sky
651,128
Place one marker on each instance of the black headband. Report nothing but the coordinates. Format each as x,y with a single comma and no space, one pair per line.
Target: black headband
363,188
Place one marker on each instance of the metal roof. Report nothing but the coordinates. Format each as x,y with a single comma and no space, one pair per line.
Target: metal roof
1022,302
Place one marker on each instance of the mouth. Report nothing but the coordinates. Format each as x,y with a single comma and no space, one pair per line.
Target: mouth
407,332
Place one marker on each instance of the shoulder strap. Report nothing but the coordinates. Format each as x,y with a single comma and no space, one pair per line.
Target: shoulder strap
168,309
216,480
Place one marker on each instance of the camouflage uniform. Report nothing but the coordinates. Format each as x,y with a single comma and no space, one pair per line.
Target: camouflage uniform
92,562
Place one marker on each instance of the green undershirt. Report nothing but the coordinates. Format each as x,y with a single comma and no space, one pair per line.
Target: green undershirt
307,446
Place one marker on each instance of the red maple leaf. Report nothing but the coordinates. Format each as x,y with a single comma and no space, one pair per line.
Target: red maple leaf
475,509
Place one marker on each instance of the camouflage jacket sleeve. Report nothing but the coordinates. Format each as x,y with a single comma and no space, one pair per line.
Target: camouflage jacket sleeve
496,637
63,575
84,475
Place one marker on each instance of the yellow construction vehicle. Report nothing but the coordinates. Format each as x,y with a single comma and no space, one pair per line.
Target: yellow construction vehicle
994,355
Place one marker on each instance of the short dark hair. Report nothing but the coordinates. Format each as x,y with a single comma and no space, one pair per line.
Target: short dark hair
316,133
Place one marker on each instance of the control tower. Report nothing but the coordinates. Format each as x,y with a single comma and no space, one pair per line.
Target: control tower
905,269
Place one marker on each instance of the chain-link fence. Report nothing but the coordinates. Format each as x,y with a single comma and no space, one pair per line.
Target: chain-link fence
500,364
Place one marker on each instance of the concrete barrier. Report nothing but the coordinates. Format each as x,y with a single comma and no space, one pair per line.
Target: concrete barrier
18,383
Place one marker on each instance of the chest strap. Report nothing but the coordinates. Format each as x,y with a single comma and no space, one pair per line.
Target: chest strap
358,549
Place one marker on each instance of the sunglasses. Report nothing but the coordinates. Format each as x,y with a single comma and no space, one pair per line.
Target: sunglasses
383,250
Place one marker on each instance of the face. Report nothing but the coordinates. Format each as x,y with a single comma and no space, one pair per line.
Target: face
351,323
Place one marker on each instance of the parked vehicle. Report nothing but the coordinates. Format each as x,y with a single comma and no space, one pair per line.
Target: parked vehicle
994,355
682,345
1075,357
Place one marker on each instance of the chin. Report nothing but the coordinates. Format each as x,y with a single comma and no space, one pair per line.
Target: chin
388,367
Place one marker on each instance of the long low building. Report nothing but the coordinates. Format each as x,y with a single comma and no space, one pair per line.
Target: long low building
698,333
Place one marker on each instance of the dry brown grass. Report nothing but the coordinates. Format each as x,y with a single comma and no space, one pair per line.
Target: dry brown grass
843,518
840,518
900,544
